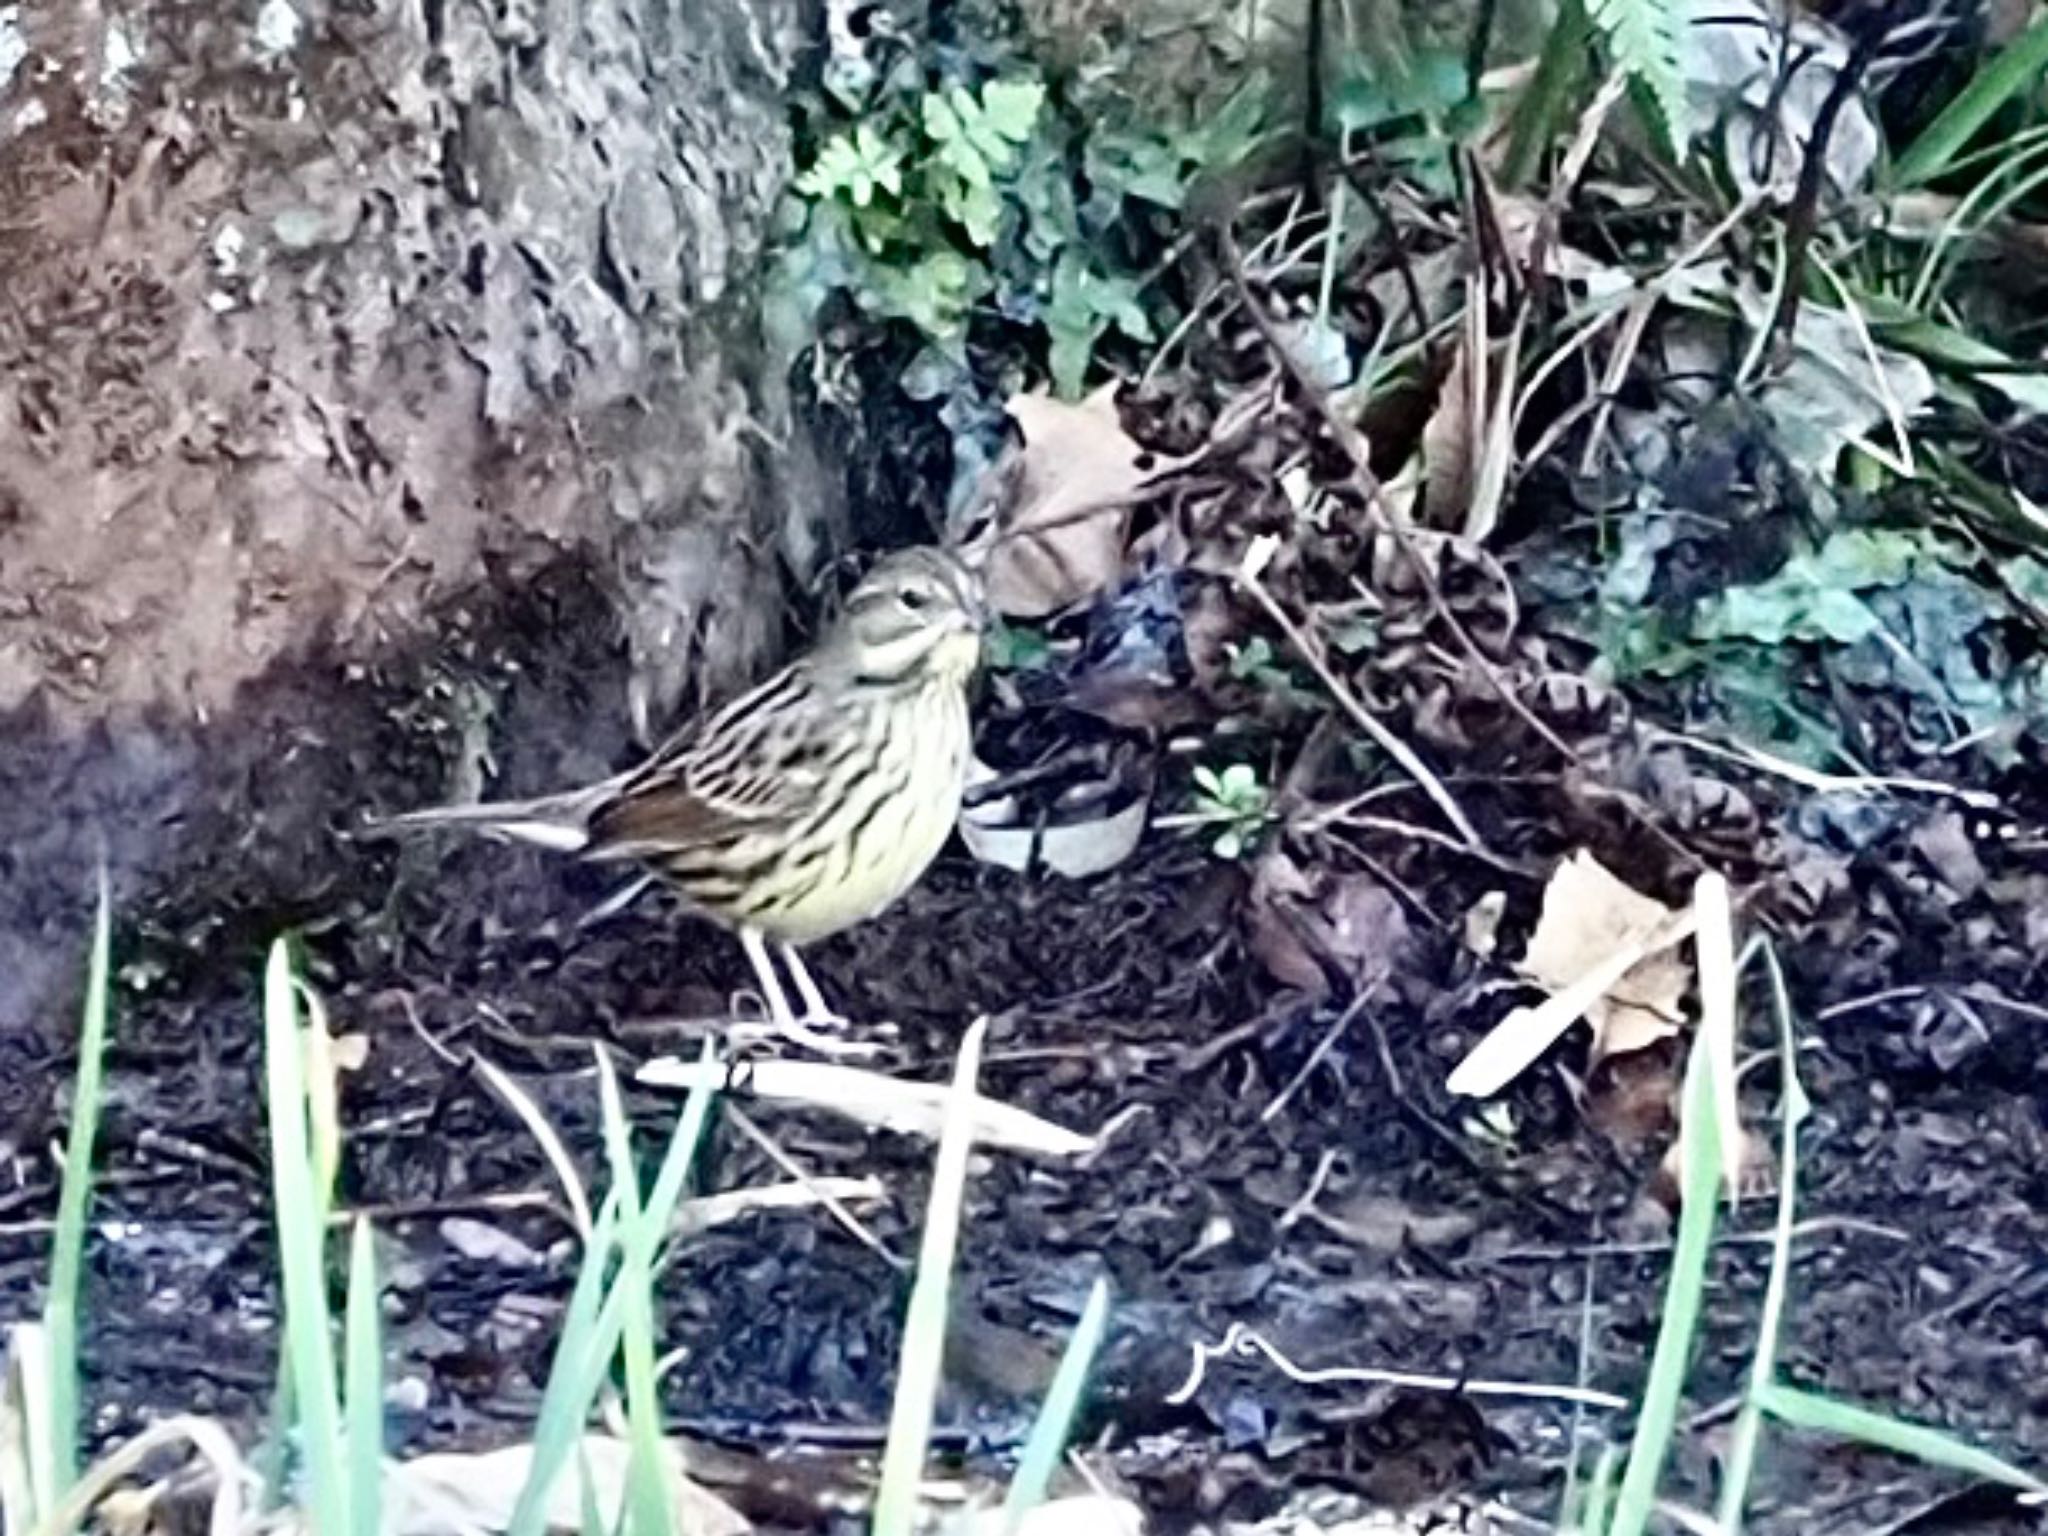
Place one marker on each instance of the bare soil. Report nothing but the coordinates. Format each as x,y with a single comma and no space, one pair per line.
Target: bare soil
1264,1168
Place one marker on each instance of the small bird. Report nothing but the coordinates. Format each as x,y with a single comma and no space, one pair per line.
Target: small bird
808,804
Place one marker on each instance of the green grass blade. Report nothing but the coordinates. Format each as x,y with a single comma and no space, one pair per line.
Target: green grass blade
1545,106
590,1337
271,1463
1600,1492
558,1429
1810,1410
2017,68
1700,1164
1049,1432
301,1247
67,1249
363,1376
647,1501
924,1328
589,1512
1748,1432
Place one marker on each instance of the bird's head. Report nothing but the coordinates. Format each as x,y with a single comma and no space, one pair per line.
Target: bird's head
917,615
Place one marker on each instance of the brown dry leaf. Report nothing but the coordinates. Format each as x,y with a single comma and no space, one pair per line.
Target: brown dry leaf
1589,914
1450,439
1943,840
1076,458
1308,928
451,1494
1385,1225
1604,951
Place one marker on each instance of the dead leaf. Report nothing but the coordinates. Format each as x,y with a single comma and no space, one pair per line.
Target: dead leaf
1943,840
708,1211
1604,952
1450,438
449,1494
486,1244
1077,460
1384,1225
871,1099
1308,929
1590,914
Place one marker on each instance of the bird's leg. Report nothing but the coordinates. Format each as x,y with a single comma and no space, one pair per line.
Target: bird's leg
816,1010
819,1014
798,1031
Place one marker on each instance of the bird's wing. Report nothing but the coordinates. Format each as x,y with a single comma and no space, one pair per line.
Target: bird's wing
742,768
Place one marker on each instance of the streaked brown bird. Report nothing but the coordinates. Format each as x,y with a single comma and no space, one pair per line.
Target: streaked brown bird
808,804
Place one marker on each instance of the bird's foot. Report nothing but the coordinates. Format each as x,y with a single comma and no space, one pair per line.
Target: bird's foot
819,1028
822,1034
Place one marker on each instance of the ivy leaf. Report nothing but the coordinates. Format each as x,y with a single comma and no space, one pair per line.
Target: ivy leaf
1044,188
1814,596
1010,108
1133,165
1085,304
1778,610
934,295
858,164
976,208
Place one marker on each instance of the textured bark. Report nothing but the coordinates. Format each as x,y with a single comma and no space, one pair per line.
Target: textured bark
309,313
316,313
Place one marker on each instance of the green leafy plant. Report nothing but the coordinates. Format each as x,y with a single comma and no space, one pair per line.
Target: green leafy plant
1237,801
1415,109
1897,610
1646,40
1254,661
1016,648
992,196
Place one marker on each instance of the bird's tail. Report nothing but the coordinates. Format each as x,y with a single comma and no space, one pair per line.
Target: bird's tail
560,822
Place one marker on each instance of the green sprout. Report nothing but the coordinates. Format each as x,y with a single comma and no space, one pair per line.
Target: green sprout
1235,800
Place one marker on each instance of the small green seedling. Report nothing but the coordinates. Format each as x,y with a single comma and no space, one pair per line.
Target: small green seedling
1237,801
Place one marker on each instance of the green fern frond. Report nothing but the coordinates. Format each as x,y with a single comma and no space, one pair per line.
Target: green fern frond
1647,41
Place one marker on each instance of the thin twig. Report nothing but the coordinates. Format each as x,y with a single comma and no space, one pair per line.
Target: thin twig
1368,486
1399,750
1802,219
1241,1341
1323,1048
831,1202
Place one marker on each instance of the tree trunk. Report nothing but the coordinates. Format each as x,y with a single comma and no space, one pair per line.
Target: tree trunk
316,314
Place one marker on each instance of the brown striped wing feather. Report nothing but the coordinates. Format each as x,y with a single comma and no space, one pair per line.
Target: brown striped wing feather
710,809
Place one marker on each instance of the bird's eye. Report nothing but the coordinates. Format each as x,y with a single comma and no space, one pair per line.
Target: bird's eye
914,600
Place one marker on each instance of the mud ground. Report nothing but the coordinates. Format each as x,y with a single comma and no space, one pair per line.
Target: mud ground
1130,1000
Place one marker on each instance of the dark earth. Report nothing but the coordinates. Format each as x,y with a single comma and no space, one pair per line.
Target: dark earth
1132,998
